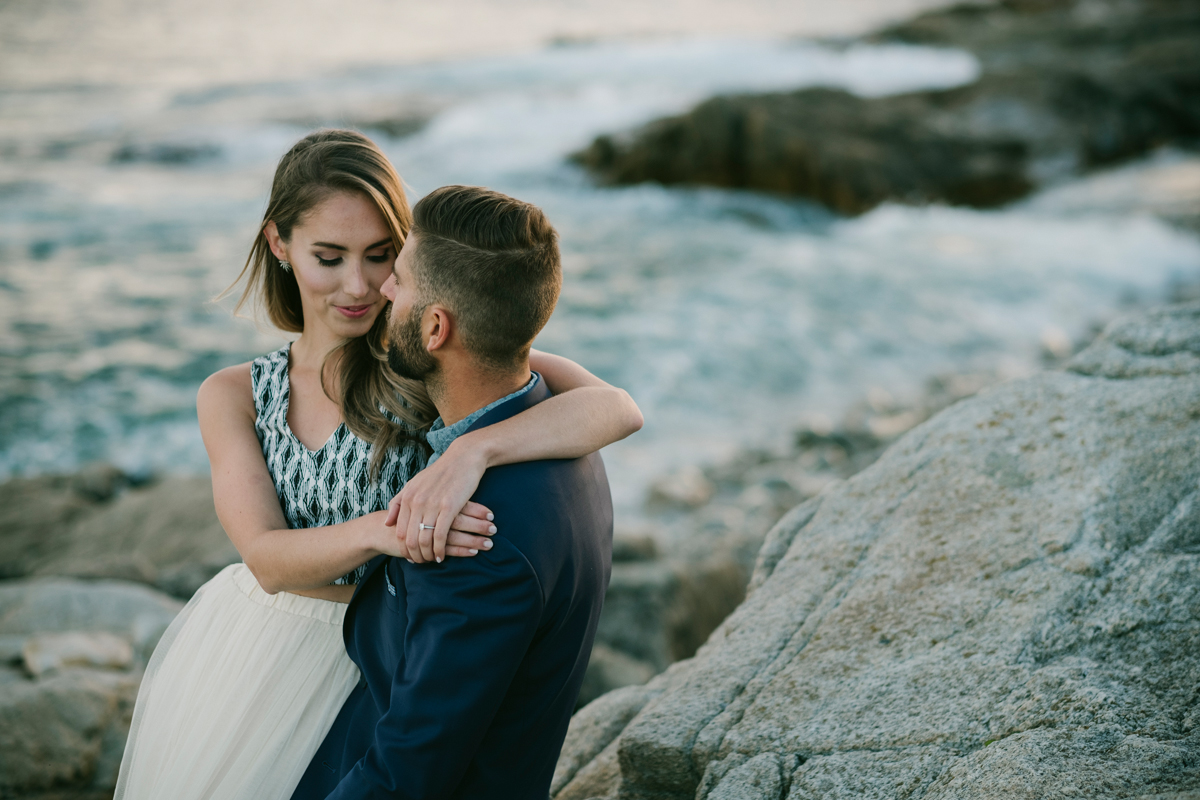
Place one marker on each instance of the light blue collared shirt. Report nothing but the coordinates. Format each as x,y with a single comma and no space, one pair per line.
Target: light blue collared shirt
441,437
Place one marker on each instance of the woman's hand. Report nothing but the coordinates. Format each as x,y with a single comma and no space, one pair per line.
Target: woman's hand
438,498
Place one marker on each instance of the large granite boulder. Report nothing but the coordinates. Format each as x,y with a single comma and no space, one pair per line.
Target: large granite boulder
1006,604
1065,86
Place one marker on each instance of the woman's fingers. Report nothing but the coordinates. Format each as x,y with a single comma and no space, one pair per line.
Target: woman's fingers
473,525
450,535
466,541
400,531
472,509
416,553
393,512
425,537
440,530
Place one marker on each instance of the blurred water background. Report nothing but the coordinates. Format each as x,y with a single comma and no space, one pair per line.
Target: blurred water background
137,142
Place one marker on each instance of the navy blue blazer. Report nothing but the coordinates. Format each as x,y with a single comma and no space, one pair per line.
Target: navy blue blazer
471,668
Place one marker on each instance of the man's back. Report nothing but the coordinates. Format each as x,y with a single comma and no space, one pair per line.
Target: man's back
571,558
471,668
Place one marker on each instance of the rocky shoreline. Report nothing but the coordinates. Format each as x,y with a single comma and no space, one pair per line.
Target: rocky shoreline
95,565
1066,87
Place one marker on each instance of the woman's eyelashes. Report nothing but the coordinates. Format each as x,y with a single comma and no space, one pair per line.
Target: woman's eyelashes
380,258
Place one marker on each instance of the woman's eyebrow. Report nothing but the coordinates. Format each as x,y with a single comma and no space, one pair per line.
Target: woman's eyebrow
332,246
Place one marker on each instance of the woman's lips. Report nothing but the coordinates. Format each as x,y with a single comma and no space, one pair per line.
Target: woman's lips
354,312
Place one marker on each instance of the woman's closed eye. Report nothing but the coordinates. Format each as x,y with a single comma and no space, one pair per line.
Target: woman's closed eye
333,261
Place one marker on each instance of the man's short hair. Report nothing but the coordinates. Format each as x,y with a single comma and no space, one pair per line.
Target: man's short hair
493,261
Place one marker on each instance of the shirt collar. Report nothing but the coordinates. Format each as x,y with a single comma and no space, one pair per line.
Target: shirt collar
440,436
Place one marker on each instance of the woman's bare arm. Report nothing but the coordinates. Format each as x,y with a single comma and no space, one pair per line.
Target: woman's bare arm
585,415
280,558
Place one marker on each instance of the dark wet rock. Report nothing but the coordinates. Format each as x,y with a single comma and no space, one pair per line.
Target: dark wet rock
396,127
1066,86
633,547
394,117
660,611
1003,605
97,524
165,153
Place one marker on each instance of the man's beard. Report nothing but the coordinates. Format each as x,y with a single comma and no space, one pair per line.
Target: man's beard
406,355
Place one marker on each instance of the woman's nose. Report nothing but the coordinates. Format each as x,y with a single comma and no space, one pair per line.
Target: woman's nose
355,283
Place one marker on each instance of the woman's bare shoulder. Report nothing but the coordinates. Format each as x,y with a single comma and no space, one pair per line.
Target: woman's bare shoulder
226,390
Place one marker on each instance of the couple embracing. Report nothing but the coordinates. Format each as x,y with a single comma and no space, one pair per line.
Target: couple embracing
420,587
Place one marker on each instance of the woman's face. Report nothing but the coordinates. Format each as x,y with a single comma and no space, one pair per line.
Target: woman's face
341,253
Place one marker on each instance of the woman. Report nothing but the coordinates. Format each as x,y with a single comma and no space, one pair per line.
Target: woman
308,445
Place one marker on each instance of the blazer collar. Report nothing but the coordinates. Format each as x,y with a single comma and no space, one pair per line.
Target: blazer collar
513,407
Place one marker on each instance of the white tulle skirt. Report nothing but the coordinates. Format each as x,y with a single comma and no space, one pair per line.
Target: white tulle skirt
237,696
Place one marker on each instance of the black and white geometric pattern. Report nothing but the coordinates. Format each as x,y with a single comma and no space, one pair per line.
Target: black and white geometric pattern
329,485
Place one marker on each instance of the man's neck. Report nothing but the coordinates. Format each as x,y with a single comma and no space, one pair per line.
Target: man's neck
458,393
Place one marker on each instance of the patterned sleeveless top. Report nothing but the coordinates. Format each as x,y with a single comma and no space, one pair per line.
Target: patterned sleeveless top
332,484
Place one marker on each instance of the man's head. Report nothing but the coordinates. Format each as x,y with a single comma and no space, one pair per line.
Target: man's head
480,269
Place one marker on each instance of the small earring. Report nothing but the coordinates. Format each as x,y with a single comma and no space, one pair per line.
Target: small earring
285,266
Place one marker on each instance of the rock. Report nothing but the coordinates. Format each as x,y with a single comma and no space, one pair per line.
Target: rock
98,482
1065,87
610,669
588,757
633,547
66,731
51,652
43,606
36,516
660,611
1003,605
165,534
174,154
687,488
845,152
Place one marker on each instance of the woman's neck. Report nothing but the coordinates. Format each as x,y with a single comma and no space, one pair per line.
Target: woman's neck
312,348
310,353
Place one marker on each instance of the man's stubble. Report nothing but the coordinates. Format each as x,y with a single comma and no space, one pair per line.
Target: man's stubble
406,354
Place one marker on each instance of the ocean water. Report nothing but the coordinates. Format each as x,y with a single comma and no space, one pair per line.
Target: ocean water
729,316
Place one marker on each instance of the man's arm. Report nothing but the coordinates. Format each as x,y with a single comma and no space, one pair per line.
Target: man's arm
470,623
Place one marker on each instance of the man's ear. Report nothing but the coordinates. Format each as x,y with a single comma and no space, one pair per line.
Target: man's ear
278,246
438,328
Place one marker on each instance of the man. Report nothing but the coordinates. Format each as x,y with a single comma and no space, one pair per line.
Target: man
471,667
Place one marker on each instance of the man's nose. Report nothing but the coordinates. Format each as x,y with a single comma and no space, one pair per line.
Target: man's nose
389,288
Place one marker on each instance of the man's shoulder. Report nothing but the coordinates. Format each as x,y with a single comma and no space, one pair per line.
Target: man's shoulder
553,480
553,510
580,468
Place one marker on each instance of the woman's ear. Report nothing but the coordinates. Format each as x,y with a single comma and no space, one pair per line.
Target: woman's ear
276,242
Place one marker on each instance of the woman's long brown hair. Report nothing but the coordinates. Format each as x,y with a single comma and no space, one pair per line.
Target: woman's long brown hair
379,406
